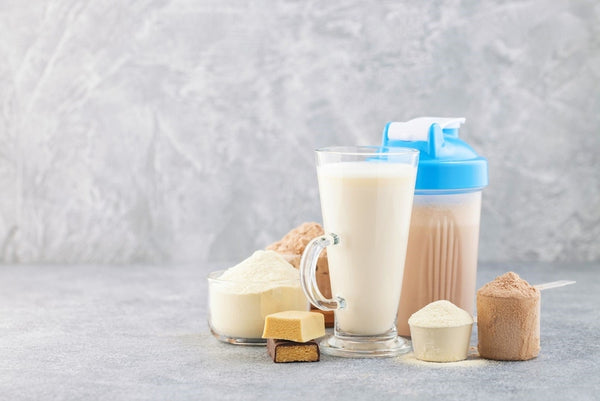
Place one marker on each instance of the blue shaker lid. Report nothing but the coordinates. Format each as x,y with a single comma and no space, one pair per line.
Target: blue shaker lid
446,162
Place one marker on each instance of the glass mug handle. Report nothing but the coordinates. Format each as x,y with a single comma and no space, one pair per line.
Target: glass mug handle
308,270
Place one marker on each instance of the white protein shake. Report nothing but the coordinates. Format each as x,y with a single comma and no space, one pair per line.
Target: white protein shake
368,205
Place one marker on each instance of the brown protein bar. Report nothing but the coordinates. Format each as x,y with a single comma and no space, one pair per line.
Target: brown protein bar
289,351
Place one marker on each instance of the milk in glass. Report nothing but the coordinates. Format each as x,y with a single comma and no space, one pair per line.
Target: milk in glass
368,205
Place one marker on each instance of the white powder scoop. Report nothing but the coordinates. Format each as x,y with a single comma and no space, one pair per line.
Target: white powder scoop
441,332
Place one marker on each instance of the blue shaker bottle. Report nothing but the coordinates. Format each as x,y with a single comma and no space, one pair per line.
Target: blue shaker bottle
441,260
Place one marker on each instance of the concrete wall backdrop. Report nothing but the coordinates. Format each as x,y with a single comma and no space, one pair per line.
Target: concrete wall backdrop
182,131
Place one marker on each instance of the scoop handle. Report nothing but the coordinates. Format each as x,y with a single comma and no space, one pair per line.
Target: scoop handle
553,284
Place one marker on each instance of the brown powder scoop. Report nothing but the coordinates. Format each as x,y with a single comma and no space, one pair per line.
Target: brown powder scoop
508,319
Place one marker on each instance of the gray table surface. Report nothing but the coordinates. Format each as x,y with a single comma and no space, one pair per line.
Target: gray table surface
140,332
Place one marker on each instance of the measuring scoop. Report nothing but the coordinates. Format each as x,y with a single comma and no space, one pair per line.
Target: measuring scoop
545,286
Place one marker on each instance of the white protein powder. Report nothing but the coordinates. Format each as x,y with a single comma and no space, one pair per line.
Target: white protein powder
243,295
440,314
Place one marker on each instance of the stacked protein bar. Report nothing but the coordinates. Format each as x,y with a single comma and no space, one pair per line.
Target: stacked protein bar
291,336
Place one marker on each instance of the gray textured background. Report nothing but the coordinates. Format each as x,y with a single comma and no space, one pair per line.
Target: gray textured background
182,131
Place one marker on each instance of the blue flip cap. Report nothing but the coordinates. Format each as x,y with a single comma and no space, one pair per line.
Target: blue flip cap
446,162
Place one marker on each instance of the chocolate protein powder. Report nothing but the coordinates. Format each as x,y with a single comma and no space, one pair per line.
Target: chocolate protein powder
508,319
292,245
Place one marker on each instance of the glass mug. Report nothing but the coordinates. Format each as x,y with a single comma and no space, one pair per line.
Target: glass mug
366,201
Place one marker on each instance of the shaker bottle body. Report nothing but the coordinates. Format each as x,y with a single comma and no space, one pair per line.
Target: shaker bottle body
441,260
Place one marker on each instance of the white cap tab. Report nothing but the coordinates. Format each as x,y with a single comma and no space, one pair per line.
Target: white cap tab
417,129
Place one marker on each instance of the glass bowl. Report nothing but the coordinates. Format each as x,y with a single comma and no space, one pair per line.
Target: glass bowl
237,309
